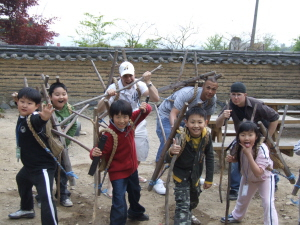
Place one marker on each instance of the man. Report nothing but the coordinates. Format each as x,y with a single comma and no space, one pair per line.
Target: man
170,108
132,95
241,107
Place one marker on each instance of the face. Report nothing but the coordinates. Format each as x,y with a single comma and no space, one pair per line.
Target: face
239,99
209,90
59,98
120,120
247,138
127,79
27,106
195,124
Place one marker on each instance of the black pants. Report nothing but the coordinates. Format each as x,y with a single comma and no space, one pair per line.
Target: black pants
64,192
43,181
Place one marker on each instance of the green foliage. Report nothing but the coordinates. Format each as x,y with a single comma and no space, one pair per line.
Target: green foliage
270,43
215,43
92,32
296,46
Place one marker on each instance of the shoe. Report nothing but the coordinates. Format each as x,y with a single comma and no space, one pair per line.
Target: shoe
66,203
194,220
142,179
233,195
159,187
230,219
22,214
143,217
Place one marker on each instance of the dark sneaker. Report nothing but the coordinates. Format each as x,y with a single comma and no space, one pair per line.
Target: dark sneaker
230,219
143,217
22,214
233,195
67,203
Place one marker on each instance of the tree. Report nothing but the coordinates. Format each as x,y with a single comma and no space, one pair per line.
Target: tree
18,28
92,32
270,44
296,46
215,43
179,39
132,33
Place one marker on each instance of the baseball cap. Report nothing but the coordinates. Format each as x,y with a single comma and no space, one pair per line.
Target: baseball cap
126,68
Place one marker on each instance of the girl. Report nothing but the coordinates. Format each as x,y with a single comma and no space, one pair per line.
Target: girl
255,162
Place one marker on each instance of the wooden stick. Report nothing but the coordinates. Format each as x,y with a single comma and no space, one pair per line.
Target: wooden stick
222,155
71,138
98,74
121,89
168,143
228,191
281,126
195,63
57,79
46,81
185,82
83,116
272,145
182,65
160,123
74,119
124,55
253,113
112,68
25,82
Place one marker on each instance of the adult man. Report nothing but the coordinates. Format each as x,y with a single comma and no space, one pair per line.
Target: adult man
132,95
241,107
170,108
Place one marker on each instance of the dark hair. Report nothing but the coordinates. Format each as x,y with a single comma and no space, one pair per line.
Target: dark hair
195,110
247,126
120,106
212,79
31,94
56,85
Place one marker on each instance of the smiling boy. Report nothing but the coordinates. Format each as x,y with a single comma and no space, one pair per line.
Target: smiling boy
189,165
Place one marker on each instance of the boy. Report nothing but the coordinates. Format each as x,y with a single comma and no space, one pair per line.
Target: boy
38,166
58,94
123,172
189,165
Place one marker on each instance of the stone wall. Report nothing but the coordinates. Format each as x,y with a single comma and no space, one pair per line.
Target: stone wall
262,81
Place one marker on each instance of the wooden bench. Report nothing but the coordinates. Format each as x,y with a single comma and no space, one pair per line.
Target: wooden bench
216,133
289,112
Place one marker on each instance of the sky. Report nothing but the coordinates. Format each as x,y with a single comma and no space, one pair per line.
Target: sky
224,17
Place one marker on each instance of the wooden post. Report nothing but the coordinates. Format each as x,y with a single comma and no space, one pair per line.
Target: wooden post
99,76
182,65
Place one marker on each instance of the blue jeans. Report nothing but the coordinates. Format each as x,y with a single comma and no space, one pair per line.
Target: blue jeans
235,177
118,213
167,128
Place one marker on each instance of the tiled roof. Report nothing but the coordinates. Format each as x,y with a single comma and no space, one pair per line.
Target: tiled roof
20,52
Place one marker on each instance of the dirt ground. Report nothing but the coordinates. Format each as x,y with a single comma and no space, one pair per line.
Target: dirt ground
209,210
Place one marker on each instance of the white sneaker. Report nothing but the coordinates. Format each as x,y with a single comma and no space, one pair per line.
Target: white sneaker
66,203
22,214
159,187
194,220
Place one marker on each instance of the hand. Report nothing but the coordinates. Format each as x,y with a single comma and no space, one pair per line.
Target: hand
143,107
174,149
15,96
47,111
147,77
206,186
226,114
110,92
246,150
96,152
230,158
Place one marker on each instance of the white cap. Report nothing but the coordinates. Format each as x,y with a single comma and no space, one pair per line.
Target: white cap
126,68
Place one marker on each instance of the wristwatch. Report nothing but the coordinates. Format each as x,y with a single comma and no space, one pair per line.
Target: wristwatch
149,85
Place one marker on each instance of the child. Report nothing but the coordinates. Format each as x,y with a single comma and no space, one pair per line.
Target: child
123,172
255,163
58,94
38,166
189,165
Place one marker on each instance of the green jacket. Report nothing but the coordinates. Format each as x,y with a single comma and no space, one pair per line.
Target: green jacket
189,163
61,115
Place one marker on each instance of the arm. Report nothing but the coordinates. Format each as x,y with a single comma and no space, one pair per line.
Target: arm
101,106
221,118
152,91
272,127
173,116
